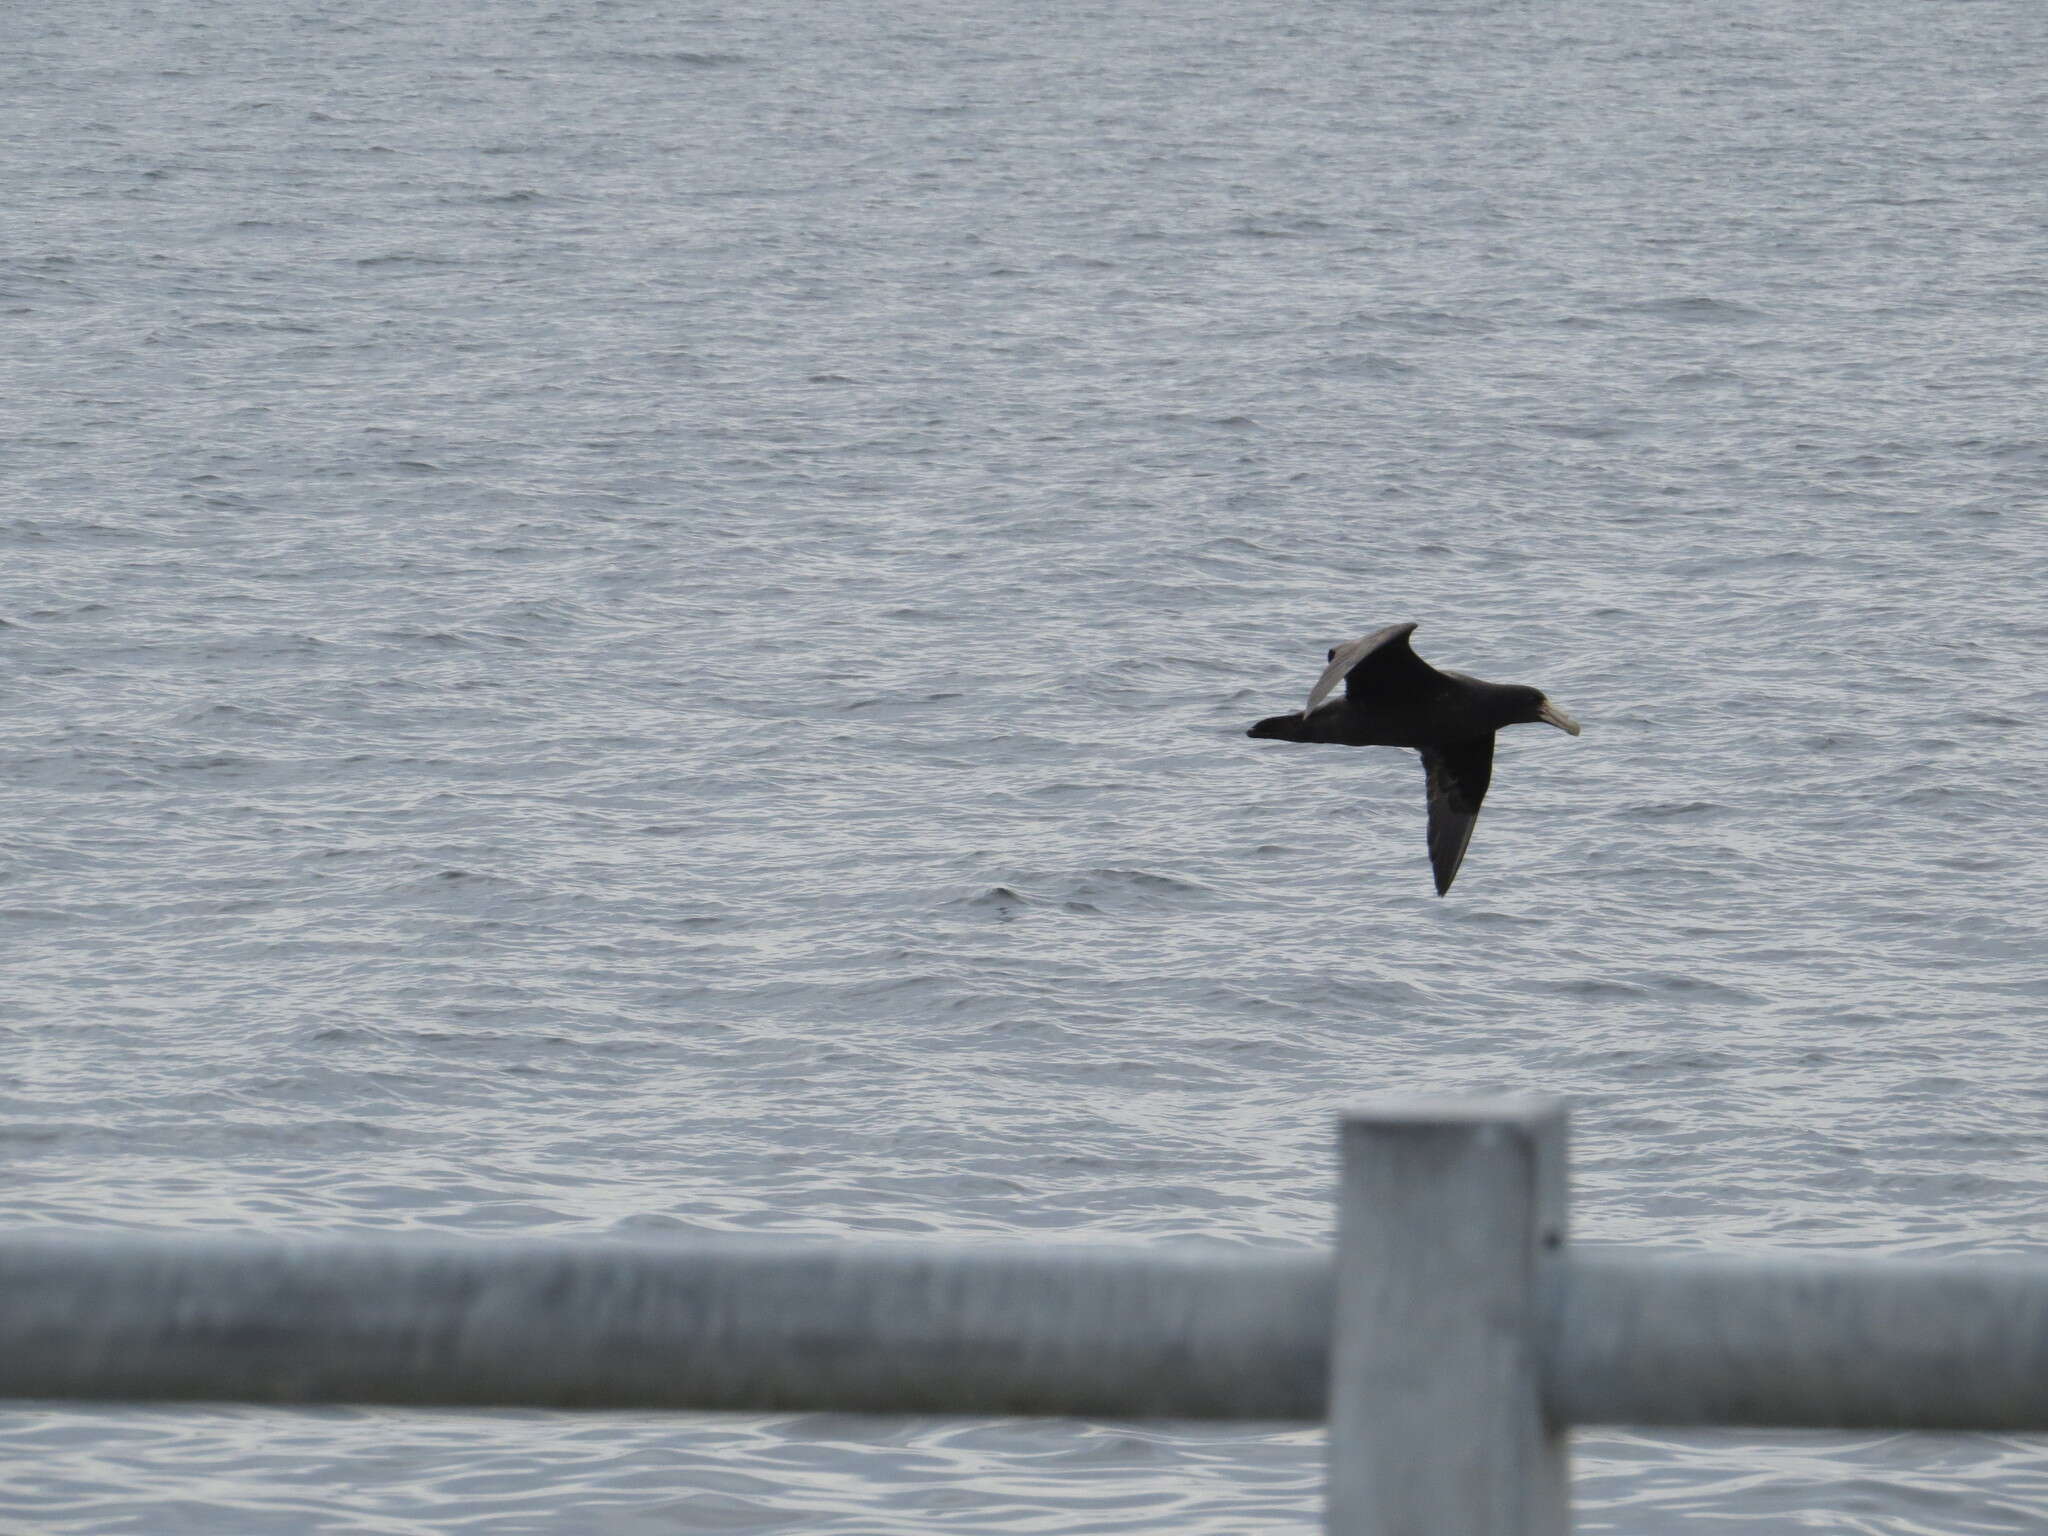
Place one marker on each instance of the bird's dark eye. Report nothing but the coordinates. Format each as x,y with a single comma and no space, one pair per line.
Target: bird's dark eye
1333,654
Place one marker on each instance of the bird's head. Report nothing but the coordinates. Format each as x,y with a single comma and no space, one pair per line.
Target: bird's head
1531,707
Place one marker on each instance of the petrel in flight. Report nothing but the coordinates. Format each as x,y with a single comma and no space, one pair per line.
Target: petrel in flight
1393,698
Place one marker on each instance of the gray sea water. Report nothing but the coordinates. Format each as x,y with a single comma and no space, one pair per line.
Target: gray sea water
637,618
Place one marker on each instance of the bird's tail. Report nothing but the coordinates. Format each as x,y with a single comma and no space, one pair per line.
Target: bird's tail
1292,727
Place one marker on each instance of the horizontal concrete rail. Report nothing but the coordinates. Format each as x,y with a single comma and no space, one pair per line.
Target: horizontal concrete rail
714,1324
1848,1343
931,1328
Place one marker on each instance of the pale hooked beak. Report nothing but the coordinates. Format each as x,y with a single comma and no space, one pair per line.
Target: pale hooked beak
1550,714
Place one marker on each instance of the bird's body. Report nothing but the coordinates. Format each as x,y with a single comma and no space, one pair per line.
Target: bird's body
1393,698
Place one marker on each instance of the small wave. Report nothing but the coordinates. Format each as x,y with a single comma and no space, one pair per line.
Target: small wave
1946,796
1666,810
688,58
1594,987
1705,378
999,900
1699,310
1425,322
1280,226
1696,986
1236,423
1583,431
1232,544
1112,888
1355,365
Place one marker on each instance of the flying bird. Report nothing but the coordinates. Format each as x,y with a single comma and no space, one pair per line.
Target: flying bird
1393,698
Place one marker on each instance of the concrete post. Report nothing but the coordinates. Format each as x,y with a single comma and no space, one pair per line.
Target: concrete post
1448,1213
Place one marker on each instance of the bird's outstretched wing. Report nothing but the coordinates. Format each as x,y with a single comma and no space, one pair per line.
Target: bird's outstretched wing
1380,656
1457,777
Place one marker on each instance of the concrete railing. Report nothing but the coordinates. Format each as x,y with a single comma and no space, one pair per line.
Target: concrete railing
1450,1343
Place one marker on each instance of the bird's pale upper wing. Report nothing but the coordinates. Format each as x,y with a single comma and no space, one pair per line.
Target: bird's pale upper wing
1383,648
1457,778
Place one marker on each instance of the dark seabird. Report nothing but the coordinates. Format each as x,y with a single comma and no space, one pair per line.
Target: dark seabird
1393,698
